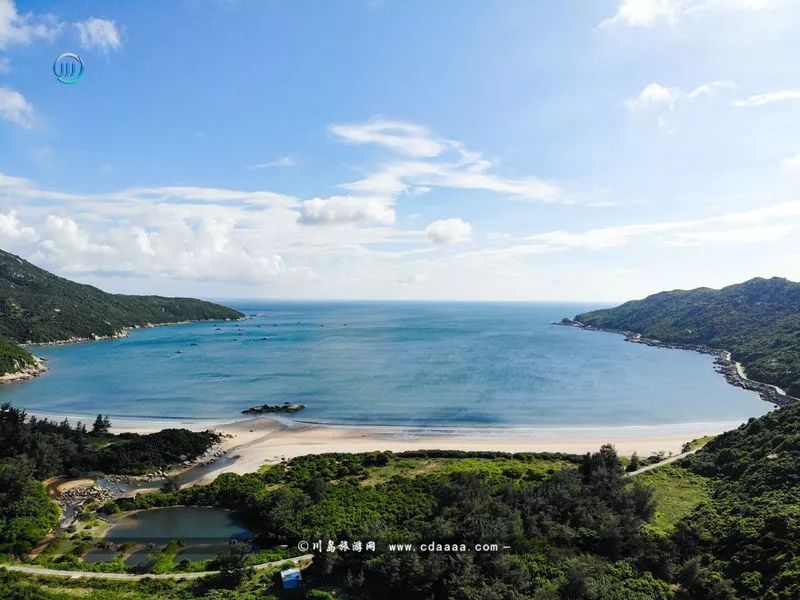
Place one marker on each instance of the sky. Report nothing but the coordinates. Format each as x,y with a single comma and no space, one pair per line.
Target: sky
589,150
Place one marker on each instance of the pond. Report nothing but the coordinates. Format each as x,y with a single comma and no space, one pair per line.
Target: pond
194,524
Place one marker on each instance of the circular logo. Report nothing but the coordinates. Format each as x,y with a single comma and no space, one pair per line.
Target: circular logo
68,68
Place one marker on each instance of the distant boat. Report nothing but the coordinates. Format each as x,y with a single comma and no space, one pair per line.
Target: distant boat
178,351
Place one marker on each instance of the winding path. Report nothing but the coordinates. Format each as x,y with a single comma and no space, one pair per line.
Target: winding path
666,461
133,577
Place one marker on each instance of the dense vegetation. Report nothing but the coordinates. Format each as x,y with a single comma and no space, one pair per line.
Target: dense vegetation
13,357
577,528
750,533
26,513
724,524
37,306
758,321
576,525
63,449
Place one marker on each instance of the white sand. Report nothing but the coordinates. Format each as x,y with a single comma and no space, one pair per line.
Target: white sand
261,440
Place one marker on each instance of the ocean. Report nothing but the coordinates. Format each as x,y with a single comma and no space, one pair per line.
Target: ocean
425,364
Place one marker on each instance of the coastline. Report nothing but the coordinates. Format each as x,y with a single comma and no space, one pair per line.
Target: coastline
27,372
39,367
732,371
248,444
123,333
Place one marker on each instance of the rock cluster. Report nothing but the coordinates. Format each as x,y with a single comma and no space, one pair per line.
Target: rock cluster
23,372
286,407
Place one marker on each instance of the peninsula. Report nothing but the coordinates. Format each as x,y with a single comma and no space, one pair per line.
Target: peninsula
755,323
38,307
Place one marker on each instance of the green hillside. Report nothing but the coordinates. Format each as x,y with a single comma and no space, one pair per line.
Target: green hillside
13,357
37,306
758,321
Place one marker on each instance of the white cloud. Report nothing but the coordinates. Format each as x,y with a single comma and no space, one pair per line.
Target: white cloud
14,108
649,13
721,228
99,33
407,138
7,181
746,235
711,88
16,28
348,209
646,13
405,176
449,231
768,98
655,95
11,230
283,161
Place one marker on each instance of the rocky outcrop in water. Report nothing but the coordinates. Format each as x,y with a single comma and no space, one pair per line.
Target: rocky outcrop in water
286,407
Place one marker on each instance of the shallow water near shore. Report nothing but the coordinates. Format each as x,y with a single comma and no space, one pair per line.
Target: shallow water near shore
411,364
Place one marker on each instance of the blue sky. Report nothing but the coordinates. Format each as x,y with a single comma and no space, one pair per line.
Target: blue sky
593,150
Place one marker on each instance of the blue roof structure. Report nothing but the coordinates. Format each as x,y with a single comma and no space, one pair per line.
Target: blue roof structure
292,579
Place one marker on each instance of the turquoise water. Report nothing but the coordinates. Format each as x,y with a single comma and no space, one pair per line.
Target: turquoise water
411,364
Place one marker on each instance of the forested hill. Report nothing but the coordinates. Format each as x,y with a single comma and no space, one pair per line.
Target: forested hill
758,321
37,306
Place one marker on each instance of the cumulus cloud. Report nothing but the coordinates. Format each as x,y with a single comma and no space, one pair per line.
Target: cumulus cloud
12,231
449,231
656,95
649,13
16,28
14,108
101,34
347,209
768,98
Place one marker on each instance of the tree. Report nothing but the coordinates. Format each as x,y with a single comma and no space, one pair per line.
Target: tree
634,464
232,565
26,513
101,425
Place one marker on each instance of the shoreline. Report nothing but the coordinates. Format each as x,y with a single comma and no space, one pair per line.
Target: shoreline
39,367
249,444
732,371
252,443
122,333
27,372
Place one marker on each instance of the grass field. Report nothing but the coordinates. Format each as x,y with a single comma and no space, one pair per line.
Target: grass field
532,469
677,493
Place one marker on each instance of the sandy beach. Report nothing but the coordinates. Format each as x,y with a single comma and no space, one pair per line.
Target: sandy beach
251,443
